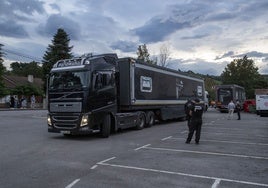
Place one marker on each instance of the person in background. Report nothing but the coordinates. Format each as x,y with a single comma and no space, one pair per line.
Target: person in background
196,114
231,107
23,102
12,102
33,101
187,108
238,109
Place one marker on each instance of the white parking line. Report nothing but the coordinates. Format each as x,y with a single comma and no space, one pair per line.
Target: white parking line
93,167
223,141
234,134
208,153
166,138
184,174
73,183
106,160
216,183
142,147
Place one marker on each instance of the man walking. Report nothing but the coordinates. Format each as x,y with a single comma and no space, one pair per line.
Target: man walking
196,113
231,107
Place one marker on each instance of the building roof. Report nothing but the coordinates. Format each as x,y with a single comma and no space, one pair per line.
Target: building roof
11,81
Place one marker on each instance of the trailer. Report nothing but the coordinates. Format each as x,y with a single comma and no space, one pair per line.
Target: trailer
226,93
104,93
261,102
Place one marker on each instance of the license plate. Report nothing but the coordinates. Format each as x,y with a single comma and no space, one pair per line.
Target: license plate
66,132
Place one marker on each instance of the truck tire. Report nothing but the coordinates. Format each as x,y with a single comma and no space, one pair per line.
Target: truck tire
106,126
150,118
140,121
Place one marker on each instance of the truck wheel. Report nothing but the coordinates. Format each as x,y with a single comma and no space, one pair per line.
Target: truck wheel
140,121
106,126
150,119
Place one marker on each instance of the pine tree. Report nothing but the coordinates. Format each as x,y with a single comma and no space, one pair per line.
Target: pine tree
3,90
59,49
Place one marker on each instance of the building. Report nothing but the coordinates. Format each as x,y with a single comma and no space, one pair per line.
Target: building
13,81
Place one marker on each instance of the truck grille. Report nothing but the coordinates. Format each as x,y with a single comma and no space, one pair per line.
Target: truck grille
68,122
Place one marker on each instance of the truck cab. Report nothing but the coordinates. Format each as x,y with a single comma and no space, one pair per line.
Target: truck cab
81,90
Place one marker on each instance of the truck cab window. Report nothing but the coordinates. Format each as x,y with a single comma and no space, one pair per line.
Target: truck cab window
103,79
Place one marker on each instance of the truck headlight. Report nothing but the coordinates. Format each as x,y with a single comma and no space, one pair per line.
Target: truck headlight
84,120
49,120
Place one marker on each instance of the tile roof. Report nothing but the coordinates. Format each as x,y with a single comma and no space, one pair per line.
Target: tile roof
11,81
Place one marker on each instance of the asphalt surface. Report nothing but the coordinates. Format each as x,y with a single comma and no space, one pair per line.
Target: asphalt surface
231,153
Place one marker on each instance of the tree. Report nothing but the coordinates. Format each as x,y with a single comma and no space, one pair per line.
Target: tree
243,72
1,54
143,54
59,49
3,90
27,89
25,69
164,55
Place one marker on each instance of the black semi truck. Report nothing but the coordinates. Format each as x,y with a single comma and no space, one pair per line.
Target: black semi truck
104,93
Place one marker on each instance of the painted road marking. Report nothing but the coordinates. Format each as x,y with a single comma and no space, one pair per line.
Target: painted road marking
216,183
217,180
142,147
106,160
233,134
169,137
93,167
208,153
223,141
73,183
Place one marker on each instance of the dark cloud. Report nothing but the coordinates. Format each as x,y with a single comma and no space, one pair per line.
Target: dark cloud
57,21
195,37
253,54
14,12
156,30
20,10
221,16
197,65
54,6
228,54
124,46
178,17
12,30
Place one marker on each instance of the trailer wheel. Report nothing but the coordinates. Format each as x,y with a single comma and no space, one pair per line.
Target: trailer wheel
106,126
140,121
150,118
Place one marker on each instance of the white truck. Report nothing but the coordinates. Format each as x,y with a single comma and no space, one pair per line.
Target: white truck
262,102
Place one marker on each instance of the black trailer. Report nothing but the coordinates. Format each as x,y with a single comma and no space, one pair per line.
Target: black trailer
226,93
102,93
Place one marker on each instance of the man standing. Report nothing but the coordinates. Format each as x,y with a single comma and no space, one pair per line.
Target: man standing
187,107
238,108
196,113
32,101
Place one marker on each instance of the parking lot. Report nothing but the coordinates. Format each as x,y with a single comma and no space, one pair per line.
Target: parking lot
231,153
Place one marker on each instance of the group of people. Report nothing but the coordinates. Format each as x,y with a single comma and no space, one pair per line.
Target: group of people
22,103
234,107
194,112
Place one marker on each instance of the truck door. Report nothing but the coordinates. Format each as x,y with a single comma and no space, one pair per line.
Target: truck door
104,92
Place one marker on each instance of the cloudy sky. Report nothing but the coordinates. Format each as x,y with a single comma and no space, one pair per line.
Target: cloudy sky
201,35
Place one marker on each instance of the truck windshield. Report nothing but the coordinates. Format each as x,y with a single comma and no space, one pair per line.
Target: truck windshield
225,95
69,80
